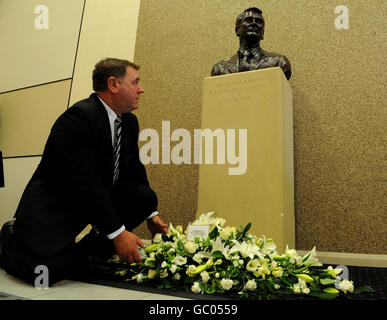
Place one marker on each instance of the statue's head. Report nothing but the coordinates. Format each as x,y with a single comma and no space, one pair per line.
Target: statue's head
250,23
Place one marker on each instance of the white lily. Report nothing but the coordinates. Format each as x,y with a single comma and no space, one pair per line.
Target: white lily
269,246
246,249
157,238
206,219
201,255
175,232
218,245
293,255
311,260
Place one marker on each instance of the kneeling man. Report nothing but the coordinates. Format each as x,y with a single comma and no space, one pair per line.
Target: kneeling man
90,173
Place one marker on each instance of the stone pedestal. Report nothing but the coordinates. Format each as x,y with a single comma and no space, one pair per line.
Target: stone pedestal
260,102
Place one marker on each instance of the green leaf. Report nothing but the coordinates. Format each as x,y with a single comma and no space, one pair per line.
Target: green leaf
164,237
306,258
151,264
327,281
247,228
301,269
286,282
209,289
180,245
214,233
168,285
323,295
217,254
284,291
363,289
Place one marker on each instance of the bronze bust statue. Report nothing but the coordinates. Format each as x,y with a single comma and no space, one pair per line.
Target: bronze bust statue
250,27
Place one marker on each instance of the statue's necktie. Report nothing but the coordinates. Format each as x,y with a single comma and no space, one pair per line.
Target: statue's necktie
117,147
244,62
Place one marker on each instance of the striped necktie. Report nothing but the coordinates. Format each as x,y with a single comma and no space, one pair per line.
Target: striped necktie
117,147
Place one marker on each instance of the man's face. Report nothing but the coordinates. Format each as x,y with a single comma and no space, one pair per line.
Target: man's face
252,25
129,90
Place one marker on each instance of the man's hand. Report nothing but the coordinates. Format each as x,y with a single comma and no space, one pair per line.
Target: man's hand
126,246
157,225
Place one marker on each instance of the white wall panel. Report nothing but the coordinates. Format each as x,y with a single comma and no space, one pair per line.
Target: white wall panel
37,47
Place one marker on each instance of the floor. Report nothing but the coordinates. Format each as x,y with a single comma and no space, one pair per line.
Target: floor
12,288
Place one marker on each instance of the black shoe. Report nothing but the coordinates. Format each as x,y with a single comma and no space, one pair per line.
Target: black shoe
95,250
5,234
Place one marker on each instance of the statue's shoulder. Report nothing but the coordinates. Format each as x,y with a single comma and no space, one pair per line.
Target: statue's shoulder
225,66
279,60
274,55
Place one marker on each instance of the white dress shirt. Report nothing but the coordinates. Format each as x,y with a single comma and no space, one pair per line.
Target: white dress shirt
112,117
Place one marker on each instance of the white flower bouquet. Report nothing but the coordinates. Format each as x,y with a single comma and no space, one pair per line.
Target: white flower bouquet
231,260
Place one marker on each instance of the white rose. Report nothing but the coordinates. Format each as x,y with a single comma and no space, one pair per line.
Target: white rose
346,285
152,274
252,265
179,260
251,285
164,273
277,286
139,278
217,275
191,268
225,233
301,287
197,258
302,282
205,276
190,247
226,284
297,288
163,264
196,287
173,268
176,276
143,254
278,272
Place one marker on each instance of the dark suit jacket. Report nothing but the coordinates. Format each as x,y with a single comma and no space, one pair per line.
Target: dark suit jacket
71,186
269,60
